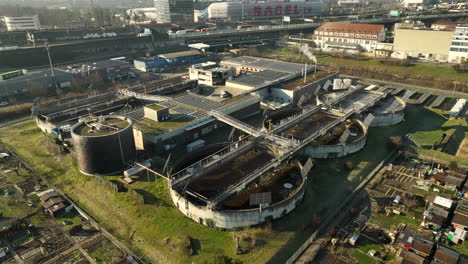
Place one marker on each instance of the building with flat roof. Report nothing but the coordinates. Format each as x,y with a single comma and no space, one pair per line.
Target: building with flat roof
422,43
256,64
32,80
459,46
444,255
22,23
168,11
348,37
170,60
210,73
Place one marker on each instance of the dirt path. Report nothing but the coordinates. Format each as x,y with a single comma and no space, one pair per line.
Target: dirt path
463,149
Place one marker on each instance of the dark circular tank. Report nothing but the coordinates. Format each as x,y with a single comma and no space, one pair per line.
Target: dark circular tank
104,146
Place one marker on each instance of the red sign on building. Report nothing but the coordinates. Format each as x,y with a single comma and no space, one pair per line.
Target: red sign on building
280,10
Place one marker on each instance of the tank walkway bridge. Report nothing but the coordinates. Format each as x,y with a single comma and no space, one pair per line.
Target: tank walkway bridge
265,29
289,146
147,97
281,141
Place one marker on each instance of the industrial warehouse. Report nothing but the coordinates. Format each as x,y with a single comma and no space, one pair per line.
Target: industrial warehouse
278,112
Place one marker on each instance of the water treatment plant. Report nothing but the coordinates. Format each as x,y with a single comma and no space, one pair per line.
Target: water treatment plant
235,161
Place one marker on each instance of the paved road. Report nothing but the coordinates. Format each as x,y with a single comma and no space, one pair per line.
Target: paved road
411,87
14,121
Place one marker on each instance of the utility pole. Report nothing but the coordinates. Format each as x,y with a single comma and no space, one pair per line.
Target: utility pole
93,10
51,66
300,45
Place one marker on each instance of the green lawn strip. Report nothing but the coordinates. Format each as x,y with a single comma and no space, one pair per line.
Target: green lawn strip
106,253
365,245
445,73
393,221
361,257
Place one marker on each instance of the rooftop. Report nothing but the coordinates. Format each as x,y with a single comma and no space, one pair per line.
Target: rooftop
265,64
444,202
446,256
107,126
156,107
42,78
422,246
256,79
351,28
154,127
174,55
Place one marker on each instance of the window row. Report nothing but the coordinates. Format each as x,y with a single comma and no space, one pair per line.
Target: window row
459,49
351,35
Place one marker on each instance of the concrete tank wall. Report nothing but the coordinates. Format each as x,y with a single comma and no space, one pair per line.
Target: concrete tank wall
107,154
336,151
230,219
48,126
387,119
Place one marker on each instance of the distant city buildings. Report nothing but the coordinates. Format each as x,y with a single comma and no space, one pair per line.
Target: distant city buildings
174,10
263,10
348,37
22,23
459,46
142,14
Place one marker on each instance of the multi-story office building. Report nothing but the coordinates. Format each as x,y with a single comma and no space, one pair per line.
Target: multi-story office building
459,46
174,10
349,38
22,23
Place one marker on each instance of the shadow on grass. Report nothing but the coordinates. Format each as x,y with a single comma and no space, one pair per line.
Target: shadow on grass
196,245
152,199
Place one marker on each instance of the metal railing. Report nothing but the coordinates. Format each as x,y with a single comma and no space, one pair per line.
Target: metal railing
210,160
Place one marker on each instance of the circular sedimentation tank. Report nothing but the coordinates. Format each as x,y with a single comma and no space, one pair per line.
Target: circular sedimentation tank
285,183
329,145
104,146
387,112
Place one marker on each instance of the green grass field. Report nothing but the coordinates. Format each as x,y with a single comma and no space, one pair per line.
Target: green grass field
147,227
418,70
426,139
362,258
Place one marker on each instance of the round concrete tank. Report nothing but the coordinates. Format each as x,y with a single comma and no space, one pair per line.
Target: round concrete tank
104,146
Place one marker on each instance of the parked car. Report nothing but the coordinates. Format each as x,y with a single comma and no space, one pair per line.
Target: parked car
225,94
3,103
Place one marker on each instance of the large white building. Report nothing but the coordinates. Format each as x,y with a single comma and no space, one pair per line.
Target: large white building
459,46
210,73
22,23
263,10
348,37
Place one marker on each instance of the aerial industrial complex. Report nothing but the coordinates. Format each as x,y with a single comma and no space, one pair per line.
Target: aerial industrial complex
235,132
313,113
